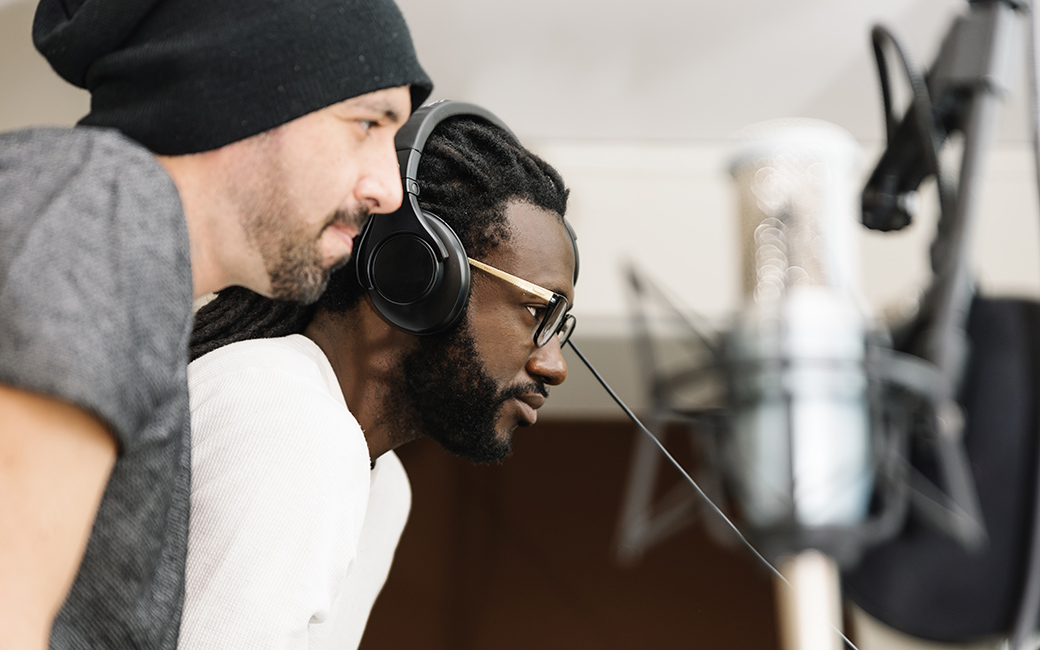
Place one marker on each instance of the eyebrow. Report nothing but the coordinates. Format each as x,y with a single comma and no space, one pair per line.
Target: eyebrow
570,301
562,293
392,115
376,105
387,110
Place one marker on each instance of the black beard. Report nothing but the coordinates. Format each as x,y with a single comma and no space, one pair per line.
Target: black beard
446,393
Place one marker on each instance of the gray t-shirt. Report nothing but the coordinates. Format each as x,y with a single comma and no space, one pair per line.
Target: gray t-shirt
95,308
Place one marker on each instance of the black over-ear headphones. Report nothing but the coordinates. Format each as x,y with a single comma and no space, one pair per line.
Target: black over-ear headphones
414,266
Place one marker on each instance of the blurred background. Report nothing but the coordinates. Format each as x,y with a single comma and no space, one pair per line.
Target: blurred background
637,105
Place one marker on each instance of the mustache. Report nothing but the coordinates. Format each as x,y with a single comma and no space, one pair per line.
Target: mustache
353,218
517,390
357,218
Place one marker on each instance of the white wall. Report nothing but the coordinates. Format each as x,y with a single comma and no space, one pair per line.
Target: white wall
671,209
30,92
635,105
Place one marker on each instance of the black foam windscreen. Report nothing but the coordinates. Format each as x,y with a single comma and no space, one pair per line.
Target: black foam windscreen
923,582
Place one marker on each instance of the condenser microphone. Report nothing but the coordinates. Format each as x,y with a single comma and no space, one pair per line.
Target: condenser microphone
799,450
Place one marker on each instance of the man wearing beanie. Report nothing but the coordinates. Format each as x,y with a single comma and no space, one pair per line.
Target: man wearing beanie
228,143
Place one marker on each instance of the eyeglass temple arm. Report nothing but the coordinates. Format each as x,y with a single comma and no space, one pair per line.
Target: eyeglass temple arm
532,289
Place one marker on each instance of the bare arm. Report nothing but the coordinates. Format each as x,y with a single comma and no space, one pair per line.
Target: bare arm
55,459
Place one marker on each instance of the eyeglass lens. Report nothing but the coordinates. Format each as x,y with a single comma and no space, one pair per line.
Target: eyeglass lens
566,328
556,317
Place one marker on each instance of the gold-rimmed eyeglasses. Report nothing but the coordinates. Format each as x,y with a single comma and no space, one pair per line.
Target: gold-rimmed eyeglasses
556,319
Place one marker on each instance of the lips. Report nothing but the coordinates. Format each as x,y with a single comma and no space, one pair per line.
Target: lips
529,405
346,234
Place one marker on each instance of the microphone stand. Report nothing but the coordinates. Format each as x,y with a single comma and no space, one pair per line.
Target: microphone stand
809,611
970,76
961,94
964,88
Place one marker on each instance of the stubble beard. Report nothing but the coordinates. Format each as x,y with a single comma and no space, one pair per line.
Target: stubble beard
292,256
275,226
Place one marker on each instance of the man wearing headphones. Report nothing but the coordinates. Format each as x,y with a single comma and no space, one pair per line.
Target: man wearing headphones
298,500
228,143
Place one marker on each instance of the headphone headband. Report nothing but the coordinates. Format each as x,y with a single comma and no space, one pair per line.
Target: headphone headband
412,137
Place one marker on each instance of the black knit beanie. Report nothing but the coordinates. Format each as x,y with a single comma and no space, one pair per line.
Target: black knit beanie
184,76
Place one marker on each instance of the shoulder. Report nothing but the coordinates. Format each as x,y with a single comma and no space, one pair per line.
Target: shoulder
49,158
69,144
280,481
293,362
93,175
281,391
95,272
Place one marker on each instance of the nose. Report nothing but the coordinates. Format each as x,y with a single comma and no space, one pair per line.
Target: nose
379,186
547,363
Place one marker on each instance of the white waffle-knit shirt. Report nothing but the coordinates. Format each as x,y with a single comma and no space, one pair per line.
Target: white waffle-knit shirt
292,532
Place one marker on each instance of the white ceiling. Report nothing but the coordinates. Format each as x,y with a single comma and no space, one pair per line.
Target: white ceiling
662,70
671,69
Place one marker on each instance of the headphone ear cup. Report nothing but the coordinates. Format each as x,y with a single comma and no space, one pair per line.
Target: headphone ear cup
409,286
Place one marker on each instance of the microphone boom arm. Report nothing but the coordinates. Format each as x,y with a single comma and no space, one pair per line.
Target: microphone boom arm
973,70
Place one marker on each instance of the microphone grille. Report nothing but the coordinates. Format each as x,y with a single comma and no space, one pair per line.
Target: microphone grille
796,207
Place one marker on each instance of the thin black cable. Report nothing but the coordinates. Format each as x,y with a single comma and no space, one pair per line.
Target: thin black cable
672,460
922,103
686,475
886,90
